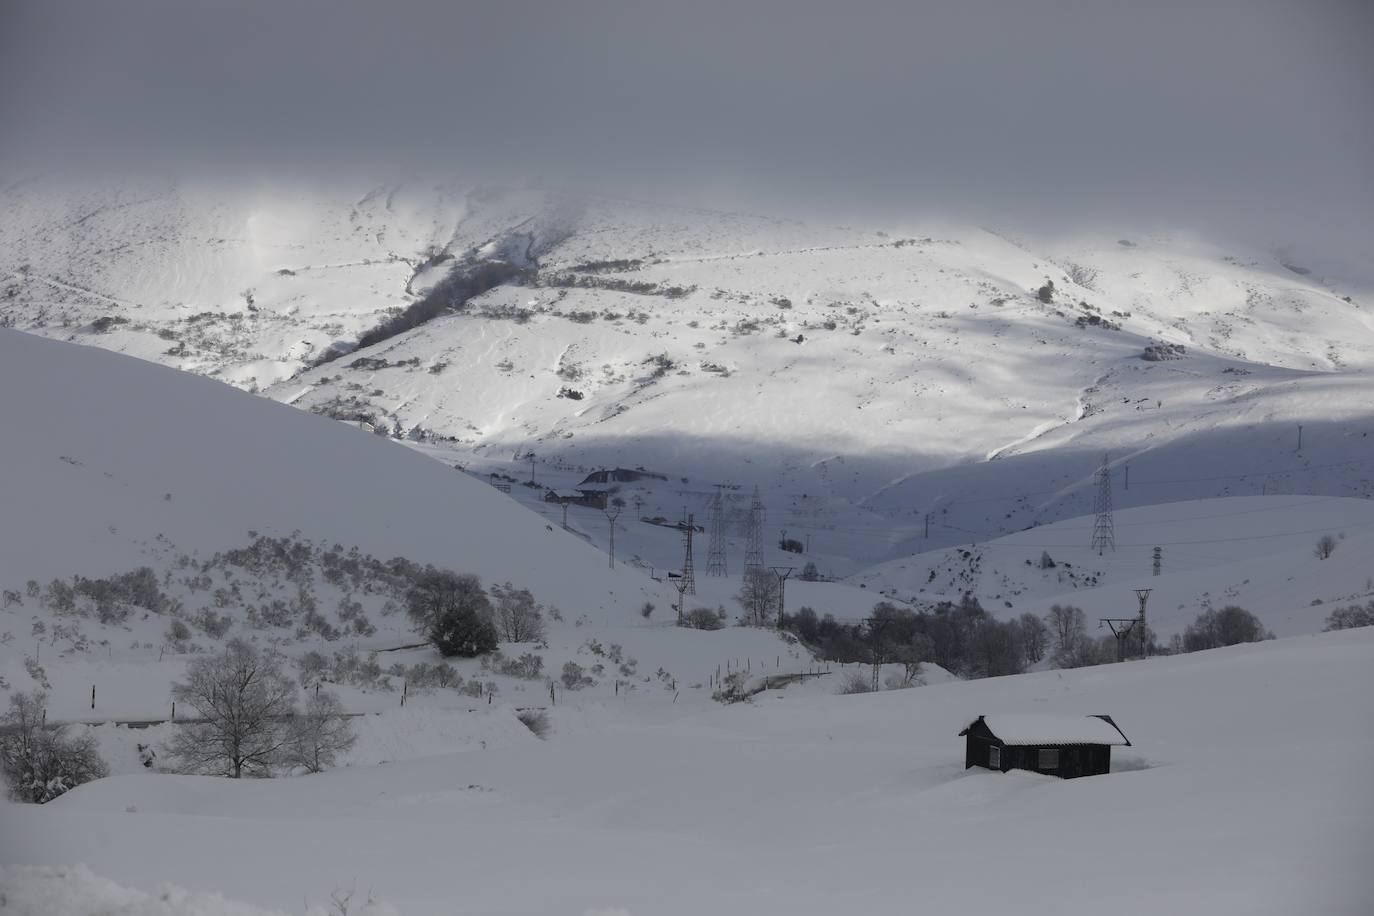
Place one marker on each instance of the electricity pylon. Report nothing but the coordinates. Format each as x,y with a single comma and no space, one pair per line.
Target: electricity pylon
1104,530
715,554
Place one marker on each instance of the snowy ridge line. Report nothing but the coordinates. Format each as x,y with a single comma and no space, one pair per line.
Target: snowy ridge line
916,526
1161,543
1088,484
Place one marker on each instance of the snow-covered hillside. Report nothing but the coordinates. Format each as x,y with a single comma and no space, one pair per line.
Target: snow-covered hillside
1244,792
863,377
260,521
1255,551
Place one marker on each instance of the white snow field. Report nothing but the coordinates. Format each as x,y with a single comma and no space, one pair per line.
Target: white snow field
1245,792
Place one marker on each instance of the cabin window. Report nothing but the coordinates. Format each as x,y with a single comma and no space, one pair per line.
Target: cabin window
995,757
1049,758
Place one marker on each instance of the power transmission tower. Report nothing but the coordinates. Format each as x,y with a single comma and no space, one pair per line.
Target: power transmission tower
1104,530
688,580
753,553
1142,595
876,625
715,553
612,514
782,572
1159,559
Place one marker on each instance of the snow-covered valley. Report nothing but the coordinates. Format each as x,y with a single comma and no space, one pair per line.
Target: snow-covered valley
924,426
1243,792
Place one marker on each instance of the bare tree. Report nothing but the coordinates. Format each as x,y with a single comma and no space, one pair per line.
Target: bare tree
1326,546
1069,636
244,703
1035,637
910,654
319,734
40,762
518,617
758,595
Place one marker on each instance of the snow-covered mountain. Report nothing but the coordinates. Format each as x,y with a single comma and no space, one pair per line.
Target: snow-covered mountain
891,390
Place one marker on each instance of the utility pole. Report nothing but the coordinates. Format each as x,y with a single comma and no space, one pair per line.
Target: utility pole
1142,595
1121,628
782,572
531,457
876,625
680,584
1299,437
927,536
715,552
1104,530
612,513
565,513
753,553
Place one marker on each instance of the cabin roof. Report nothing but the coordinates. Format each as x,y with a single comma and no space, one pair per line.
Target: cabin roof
1038,728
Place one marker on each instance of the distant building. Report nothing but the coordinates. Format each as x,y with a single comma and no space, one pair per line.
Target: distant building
1057,745
592,499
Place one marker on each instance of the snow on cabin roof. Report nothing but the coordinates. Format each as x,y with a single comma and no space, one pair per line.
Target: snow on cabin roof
1049,728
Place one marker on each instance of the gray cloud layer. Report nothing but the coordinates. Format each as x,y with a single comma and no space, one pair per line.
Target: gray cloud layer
1210,114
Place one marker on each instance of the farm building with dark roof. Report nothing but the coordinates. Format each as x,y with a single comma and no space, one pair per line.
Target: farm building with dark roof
1057,745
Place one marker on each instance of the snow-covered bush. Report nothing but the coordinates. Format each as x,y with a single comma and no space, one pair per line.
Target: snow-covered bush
856,682
1227,627
702,618
41,762
575,677
1347,618
527,667
536,720
453,611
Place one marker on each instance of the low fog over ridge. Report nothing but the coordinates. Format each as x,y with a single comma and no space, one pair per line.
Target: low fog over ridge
1247,118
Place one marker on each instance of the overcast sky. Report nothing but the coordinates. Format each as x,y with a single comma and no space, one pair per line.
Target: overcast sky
1202,113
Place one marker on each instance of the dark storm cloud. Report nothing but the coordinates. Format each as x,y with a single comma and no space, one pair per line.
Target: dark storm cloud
1204,113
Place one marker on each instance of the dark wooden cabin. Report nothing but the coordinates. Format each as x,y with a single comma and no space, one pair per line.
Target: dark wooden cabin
591,499
1056,745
